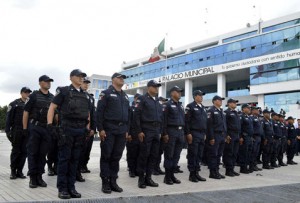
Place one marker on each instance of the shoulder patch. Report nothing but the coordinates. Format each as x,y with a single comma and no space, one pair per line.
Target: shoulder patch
9,108
102,94
208,114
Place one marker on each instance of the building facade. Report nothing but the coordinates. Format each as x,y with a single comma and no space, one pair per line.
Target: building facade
98,84
259,64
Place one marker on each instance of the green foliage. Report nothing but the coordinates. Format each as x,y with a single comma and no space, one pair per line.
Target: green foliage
3,110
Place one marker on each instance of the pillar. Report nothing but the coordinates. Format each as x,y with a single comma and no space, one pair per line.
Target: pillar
188,91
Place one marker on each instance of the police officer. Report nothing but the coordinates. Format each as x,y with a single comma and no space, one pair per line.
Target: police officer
74,107
246,139
283,143
232,139
35,113
13,129
268,135
173,134
132,144
216,135
276,139
291,141
112,123
148,118
257,134
195,131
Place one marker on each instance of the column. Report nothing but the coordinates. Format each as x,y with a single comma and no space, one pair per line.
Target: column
162,90
261,101
188,91
222,85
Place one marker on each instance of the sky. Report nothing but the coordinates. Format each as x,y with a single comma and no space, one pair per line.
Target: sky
54,37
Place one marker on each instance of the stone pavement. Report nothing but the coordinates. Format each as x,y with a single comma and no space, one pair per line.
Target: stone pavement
279,185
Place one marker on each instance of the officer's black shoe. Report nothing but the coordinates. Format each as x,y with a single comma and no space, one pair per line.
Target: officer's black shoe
155,172
174,179
33,182
74,194
13,174
214,175
193,177
85,169
274,165
106,185
290,163
142,181
251,170
20,174
266,167
244,170
295,163
132,174
40,181
259,162
168,180
255,168
64,195
114,186
150,182
178,170
199,177
79,178
235,173
219,174
160,171
50,171
229,173
282,164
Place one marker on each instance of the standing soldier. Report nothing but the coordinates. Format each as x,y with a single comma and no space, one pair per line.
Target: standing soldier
173,134
216,134
291,141
132,144
232,139
276,140
148,118
35,114
268,134
112,123
257,134
246,139
283,143
13,129
74,107
195,130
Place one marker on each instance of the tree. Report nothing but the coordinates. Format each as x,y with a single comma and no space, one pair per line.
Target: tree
3,111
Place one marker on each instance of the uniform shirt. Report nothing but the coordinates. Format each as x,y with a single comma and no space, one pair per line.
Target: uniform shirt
132,128
216,122
173,115
233,121
113,107
257,127
14,114
92,113
277,129
267,127
148,110
291,132
246,125
195,117
283,129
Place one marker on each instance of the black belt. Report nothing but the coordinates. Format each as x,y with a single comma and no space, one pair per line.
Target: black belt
176,127
153,124
37,123
119,123
75,124
198,130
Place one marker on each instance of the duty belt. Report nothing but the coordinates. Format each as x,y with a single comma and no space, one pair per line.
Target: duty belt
176,127
74,124
199,130
37,123
153,124
119,123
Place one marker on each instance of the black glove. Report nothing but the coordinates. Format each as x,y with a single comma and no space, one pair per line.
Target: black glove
9,136
25,132
52,130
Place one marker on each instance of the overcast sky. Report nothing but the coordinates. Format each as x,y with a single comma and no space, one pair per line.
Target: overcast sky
55,36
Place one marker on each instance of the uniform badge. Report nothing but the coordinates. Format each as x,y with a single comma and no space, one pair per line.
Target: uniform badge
57,91
9,108
102,95
113,95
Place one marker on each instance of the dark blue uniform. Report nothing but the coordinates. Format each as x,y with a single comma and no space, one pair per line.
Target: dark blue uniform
39,138
257,135
112,117
74,108
14,127
233,130
276,141
268,134
283,143
174,121
196,125
217,130
148,118
291,136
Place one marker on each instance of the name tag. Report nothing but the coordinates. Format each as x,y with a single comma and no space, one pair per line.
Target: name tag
196,109
216,112
173,106
113,95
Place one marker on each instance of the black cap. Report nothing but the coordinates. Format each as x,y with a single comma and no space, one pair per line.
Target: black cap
217,98
176,88
281,115
290,118
118,75
25,89
198,92
92,95
86,80
232,101
45,78
153,83
162,99
266,111
246,106
137,95
274,114
255,107
77,72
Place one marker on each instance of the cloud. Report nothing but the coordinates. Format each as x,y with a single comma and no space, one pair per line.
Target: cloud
24,4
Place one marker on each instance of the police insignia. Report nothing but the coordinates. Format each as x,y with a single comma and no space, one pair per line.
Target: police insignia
186,109
27,100
208,114
9,108
57,91
102,95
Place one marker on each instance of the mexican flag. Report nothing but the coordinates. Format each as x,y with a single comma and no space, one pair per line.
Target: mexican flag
156,56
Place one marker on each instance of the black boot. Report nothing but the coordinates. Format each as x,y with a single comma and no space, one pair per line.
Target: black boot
79,177
229,172
33,181
244,170
213,174
199,177
150,182
132,174
178,170
20,174
106,185
50,171
168,179
13,174
174,179
114,186
235,173
193,177
40,181
222,177
142,181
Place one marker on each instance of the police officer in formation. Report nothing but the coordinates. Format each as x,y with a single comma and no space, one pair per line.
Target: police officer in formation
113,125
195,131
276,139
148,122
173,134
291,141
268,135
74,106
233,138
14,132
283,143
35,121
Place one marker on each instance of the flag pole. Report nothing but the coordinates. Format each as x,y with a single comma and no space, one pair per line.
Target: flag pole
166,62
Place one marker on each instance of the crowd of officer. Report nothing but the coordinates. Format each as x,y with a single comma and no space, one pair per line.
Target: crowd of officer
59,130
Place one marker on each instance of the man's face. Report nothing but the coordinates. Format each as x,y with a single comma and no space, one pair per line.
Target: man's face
281,119
176,95
77,79
153,90
218,102
46,85
119,81
255,112
85,86
232,105
198,98
25,95
246,110
267,116
291,121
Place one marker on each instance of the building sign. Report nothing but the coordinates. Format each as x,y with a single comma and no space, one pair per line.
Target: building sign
261,60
